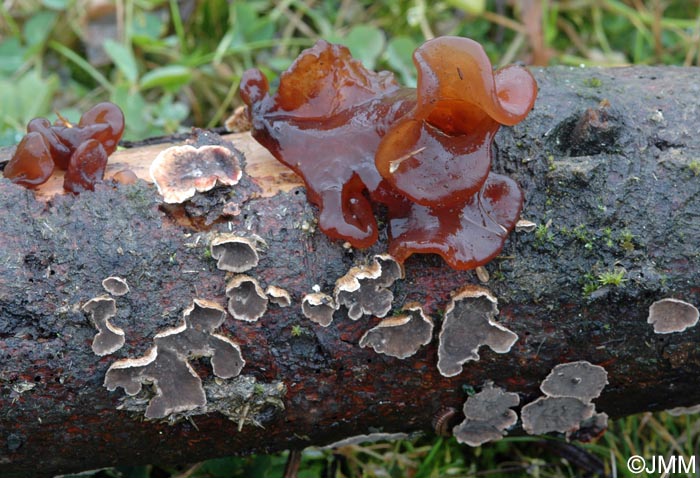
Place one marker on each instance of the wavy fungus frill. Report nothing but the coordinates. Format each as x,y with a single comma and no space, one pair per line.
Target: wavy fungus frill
356,138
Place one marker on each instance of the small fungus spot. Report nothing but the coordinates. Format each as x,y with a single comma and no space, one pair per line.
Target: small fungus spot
672,315
487,415
402,335
109,338
555,414
166,366
180,171
278,296
246,299
115,285
234,253
125,177
364,289
318,307
580,380
469,324
523,225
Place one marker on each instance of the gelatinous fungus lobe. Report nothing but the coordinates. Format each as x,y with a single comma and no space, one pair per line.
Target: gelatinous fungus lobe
179,172
325,122
178,387
487,416
440,152
401,335
109,338
31,164
80,149
364,289
466,236
355,136
469,324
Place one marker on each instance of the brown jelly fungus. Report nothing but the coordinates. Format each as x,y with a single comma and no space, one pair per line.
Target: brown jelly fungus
81,149
358,139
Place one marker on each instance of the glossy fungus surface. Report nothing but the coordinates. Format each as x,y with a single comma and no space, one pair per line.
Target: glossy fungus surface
357,139
31,164
80,149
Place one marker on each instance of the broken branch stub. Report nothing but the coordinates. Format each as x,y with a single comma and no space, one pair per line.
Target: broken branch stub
469,324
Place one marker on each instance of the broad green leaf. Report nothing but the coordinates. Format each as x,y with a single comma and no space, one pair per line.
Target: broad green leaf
56,4
11,55
123,58
473,7
399,56
366,43
147,29
170,77
37,29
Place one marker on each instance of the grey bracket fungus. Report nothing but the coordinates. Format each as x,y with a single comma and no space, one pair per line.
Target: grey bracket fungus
115,286
234,253
672,315
555,414
363,290
109,337
246,299
278,296
318,307
179,172
469,324
166,366
402,335
581,380
487,416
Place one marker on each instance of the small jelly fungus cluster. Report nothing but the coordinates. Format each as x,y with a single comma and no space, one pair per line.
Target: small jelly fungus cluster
81,150
358,139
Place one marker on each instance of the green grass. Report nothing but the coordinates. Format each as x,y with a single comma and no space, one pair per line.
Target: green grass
169,69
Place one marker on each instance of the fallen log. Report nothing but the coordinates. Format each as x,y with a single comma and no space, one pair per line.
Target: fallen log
608,161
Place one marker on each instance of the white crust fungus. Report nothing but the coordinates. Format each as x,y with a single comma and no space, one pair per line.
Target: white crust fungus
487,415
109,337
402,335
178,387
115,286
364,289
234,253
181,171
246,299
318,307
469,324
672,315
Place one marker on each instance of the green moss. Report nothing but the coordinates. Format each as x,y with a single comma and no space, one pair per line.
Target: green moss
297,330
626,241
615,277
593,82
694,166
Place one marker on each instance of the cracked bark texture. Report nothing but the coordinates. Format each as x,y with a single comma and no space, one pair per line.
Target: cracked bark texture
609,161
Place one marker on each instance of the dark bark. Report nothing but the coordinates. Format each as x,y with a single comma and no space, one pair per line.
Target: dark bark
612,187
